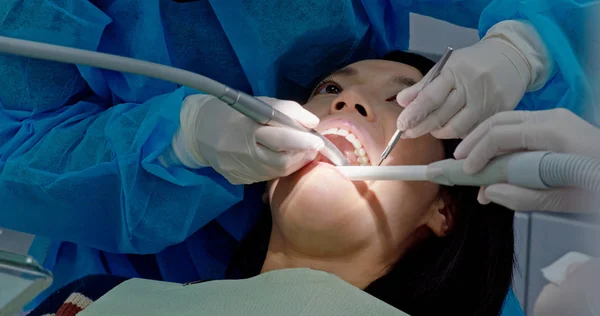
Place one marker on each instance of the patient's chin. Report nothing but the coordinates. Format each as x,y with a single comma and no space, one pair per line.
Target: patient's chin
319,199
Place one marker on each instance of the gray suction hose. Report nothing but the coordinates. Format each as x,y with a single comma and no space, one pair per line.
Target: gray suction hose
534,170
571,170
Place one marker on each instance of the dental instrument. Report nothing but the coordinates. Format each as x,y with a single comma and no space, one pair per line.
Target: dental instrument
247,105
437,69
534,170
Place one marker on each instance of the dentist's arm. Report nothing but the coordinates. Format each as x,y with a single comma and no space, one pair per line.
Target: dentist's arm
477,82
556,130
88,174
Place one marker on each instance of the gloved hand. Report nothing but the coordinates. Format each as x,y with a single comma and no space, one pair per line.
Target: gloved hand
557,130
243,151
476,83
577,295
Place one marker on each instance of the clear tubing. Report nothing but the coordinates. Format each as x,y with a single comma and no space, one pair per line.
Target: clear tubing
365,173
561,170
243,103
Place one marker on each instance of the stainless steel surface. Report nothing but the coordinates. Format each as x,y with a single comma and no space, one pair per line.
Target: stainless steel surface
437,69
330,150
390,146
255,109
265,114
13,241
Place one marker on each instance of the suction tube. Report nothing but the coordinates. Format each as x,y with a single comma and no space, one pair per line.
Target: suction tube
571,170
534,170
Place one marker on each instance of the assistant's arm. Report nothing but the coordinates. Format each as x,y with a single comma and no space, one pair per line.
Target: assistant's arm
78,146
562,25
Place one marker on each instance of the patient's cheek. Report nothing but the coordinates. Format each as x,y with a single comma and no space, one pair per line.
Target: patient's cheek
420,151
319,199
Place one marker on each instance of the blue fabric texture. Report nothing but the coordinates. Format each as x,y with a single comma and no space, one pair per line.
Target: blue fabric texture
78,146
563,26
511,306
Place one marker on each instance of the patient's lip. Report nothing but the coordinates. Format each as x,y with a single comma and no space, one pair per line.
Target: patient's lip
346,123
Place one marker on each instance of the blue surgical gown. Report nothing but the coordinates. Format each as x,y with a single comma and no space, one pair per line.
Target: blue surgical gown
78,146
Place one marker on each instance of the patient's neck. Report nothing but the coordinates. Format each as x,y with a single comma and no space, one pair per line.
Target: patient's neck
358,266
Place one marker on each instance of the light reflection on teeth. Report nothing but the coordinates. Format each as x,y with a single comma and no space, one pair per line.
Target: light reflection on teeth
343,132
359,151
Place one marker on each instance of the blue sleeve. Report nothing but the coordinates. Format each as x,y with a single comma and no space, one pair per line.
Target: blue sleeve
86,174
78,146
562,26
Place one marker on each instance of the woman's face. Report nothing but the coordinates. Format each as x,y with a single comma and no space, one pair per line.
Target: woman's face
317,207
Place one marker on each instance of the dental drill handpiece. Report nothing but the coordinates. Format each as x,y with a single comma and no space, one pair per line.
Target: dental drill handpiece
247,105
265,114
437,69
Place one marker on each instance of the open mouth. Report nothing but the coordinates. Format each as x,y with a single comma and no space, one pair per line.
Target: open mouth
348,144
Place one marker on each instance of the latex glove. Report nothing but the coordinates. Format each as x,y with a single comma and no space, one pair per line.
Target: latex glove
557,130
476,83
578,295
243,151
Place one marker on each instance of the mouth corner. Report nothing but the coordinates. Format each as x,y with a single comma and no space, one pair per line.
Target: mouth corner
350,146
322,158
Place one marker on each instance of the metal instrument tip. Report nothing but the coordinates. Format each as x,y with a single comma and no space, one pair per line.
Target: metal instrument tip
380,161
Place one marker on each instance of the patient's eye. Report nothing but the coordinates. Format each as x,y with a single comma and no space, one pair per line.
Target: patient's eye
328,87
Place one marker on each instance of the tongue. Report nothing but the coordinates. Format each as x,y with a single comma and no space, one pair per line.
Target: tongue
344,146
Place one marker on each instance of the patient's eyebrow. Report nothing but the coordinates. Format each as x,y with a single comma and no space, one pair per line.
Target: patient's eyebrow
345,72
403,80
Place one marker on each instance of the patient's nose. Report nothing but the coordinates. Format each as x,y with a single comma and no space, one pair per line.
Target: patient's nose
351,101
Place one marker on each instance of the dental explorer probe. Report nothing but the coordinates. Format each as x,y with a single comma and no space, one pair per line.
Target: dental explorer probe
533,170
247,105
437,69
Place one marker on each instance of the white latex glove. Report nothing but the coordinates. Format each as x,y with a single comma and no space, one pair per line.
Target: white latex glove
476,83
557,130
578,295
243,151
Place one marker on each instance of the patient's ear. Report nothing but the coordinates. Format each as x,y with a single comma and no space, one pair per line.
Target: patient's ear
440,219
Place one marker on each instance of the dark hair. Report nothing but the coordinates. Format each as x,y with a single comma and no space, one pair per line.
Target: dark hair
467,272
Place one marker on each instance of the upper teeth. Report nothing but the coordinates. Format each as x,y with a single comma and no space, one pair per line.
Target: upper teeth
359,151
